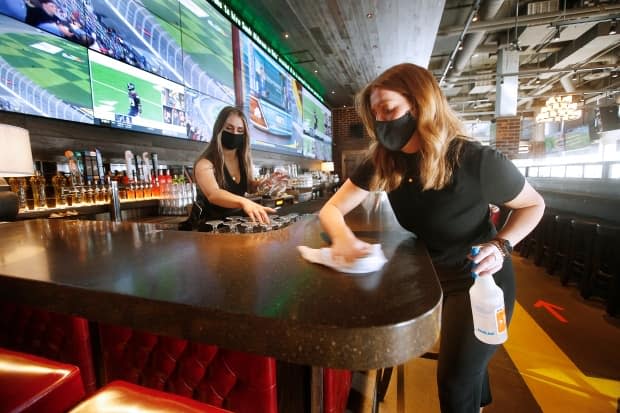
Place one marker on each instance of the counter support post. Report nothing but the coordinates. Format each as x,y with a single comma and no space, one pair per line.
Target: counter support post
316,391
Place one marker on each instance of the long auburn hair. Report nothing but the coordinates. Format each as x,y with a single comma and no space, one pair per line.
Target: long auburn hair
214,152
440,130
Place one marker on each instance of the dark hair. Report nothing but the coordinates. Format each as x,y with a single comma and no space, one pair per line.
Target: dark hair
213,151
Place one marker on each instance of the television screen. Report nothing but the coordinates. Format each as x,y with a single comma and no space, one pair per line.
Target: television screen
201,112
272,100
317,128
130,98
43,75
207,48
146,35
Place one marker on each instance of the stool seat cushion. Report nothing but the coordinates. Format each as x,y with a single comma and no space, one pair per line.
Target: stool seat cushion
121,396
34,384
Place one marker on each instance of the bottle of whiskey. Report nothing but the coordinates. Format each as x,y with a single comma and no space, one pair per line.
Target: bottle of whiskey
19,186
37,184
59,183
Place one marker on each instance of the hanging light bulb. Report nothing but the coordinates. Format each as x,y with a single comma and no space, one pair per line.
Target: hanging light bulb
612,28
556,36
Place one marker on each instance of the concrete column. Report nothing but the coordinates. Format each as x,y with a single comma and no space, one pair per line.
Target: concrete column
507,87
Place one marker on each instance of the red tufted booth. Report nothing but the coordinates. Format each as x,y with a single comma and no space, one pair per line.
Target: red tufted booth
240,382
54,336
120,396
31,384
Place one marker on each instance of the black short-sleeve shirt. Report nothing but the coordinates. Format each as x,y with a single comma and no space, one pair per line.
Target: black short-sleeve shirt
452,219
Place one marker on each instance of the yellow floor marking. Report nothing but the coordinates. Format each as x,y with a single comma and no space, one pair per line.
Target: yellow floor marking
555,381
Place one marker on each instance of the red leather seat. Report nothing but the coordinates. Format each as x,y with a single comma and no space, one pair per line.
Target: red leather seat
33,384
54,336
240,382
120,396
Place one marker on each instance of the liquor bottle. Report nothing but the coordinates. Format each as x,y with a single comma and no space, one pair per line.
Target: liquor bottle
148,190
19,185
89,197
488,309
155,189
59,183
37,183
139,190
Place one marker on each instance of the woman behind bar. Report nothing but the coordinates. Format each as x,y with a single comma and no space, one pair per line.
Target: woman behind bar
223,173
440,185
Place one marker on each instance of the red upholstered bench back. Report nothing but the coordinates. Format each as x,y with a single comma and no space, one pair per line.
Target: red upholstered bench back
240,382
336,387
55,336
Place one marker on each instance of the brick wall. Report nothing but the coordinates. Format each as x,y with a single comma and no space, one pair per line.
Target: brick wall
343,119
507,134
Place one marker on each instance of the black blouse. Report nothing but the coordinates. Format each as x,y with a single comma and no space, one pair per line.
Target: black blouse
449,221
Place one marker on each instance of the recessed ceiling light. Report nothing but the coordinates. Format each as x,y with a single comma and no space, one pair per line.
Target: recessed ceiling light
369,15
333,92
316,70
285,34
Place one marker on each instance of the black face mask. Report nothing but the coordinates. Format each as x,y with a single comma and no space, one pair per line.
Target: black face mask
394,134
232,140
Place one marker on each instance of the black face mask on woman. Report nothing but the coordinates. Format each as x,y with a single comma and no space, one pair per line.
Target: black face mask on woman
394,134
232,140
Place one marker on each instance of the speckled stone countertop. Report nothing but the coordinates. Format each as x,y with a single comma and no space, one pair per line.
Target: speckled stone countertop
250,292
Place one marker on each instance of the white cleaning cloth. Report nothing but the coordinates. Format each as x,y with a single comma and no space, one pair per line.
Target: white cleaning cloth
370,263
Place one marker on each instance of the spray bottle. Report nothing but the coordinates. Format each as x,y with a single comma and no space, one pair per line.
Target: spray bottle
487,307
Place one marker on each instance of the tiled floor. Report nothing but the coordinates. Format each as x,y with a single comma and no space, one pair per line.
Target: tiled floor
567,362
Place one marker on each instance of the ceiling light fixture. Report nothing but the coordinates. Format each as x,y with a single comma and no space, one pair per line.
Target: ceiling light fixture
333,92
285,34
475,18
316,70
537,81
369,15
559,108
612,28
460,45
556,36
574,78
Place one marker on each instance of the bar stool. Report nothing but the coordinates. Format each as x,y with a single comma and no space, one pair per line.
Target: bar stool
580,251
544,238
34,384
120,396
558,253
605,265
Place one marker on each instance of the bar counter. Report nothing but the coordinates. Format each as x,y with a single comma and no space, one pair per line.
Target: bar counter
248,292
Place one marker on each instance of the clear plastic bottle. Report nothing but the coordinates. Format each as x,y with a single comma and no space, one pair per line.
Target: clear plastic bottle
488,309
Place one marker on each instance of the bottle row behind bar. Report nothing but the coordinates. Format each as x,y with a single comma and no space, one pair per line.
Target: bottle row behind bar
83,181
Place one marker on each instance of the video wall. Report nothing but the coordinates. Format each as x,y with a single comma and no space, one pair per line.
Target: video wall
162,66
